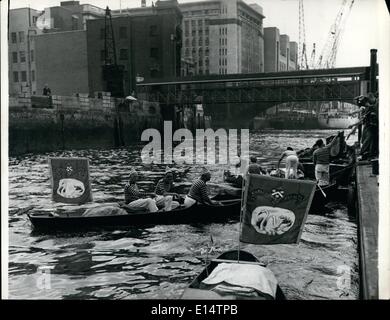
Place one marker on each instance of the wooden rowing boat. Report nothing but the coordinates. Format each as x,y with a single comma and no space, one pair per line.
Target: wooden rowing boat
229,208
197,291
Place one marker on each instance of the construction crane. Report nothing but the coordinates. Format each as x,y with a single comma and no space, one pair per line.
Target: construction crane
313,57
302,54
327,59
112,72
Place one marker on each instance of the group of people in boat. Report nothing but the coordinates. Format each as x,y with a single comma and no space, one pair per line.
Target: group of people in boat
163,198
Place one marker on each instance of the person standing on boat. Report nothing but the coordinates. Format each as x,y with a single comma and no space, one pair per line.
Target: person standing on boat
292,162
321,160
135,199
163,191
198,191
254,167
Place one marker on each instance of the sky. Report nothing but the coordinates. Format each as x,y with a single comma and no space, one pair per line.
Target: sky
359,36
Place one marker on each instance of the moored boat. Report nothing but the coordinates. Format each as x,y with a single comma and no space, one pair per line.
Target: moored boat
198,289
228,208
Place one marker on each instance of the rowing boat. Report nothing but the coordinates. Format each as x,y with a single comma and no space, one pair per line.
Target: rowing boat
228,208
198,290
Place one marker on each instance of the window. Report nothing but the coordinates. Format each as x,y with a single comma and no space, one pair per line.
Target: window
14,57
207,41
35,20
16,77
187,52
32,55
153,30
75,23
123,54
32,75
193,23
21,36
200,41
193,42
187,42
22,55
13,37
154,53
122,33
24,76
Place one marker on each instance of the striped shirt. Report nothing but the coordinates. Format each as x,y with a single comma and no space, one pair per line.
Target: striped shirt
132,193
322,155
162,187
198,191
254,168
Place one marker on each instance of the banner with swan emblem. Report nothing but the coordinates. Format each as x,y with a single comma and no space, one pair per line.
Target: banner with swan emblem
275,209
70,180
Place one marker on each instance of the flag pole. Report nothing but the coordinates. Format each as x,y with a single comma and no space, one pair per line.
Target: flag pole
241,215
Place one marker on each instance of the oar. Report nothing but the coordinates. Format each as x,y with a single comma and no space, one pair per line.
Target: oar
322,191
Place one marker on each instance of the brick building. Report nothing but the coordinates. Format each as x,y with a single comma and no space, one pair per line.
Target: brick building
147,41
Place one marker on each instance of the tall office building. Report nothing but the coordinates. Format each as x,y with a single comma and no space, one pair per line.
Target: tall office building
223,37
279,53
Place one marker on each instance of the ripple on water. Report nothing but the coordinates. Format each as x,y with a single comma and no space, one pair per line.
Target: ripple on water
159,262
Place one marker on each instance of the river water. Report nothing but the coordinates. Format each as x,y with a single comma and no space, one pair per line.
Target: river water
159,262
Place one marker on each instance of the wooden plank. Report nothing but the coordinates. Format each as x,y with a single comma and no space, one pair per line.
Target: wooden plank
368,202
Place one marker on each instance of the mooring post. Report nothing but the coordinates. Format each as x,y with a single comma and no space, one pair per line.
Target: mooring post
373,71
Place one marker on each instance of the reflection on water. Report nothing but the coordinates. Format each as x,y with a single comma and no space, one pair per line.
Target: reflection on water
160,261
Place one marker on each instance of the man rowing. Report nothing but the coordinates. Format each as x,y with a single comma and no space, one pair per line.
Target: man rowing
135,199
164,192
254,167
321,160
198,191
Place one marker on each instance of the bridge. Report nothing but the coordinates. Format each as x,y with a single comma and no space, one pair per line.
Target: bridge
339,84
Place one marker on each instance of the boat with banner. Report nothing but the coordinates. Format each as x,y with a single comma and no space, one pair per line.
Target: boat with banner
116,216
274,211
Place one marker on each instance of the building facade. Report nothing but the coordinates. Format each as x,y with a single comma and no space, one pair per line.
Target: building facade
279,53
223,36
147,43
62,62
26,26
68,16
22,68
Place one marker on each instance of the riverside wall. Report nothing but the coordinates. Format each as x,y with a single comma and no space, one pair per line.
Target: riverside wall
44,124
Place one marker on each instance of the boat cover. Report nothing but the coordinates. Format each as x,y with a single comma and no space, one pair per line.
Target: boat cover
244,275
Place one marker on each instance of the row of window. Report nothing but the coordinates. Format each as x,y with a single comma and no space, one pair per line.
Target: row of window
23,76
200,42
222,31
222,62
201,12
200,52
193,32
222,41
14,36
223,51
22,56
222,71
